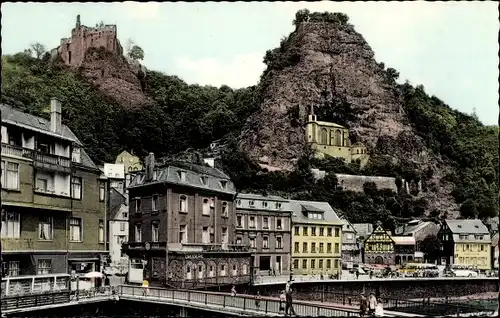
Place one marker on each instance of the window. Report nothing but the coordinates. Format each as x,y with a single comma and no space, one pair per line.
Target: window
337,232
223,184
238,202
225,210
223,270
304,247
122,226
304,231
252,242
138,232
124,215
234,270
14,268
239,221
154,203
239,241
295,264
265,242
224,235
278,223
279,242
155,232
102,191
138,205
328,263
44,267
205,235
76,188
204,180
296,230
264,204
45,228
75,229
329,231
278,205
251,204
101,231
313,264
206,207
183,234
183,204
296,247
321,231
313,247
320,264
182,175
313,231
265,222
10,180
336,263
244,269
336,247
251,223
11,224
321,247
328,247
41,184
304,264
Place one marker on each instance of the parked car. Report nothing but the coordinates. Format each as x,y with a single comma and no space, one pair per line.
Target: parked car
463,273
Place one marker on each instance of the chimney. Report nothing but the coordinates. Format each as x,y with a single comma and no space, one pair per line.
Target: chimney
150,166
55,116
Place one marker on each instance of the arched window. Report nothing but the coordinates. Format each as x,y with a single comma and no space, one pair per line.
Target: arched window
324,136
338,138
225,210
183,204
206,206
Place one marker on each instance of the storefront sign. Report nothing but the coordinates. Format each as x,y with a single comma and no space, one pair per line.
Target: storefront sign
191,256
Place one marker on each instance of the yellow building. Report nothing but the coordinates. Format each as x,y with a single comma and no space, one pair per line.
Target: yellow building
466,243
131,162
332,139
316,239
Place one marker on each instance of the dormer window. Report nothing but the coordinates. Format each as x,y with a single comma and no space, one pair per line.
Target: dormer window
251,203
278,205
223,184
204,180
238,202
264,204
182,175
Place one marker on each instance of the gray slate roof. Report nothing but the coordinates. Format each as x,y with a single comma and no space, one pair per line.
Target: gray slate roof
253,196
171,174
299,207
411,229
363,229
467,226
116,200
13,116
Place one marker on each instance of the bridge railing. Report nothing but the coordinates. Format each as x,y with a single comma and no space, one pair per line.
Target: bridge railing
34,300
238,302
424,306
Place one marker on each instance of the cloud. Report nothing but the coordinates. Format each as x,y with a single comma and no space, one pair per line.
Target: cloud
241,71
140,10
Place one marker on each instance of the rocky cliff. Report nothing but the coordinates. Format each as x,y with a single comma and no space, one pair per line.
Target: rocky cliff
116,76
328,65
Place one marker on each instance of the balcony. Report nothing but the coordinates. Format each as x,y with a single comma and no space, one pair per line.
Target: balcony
41,160
144,246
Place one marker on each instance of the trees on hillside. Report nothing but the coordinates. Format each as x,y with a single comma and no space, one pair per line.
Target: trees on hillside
432,248
36,48
134,51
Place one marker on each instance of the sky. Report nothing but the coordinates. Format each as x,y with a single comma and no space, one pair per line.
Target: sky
449,47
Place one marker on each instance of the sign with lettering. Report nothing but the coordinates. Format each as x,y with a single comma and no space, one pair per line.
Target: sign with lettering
191,256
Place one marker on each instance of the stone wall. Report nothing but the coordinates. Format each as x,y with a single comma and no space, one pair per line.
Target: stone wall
356,183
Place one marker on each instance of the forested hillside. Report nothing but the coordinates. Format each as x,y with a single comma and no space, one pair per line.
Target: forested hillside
457,158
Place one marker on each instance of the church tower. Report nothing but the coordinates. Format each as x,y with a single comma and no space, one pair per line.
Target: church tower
77,22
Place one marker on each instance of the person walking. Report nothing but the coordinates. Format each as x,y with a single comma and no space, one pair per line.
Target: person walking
363,304
372,304
357,273
145,287
289,300
257,300
282,301
233,291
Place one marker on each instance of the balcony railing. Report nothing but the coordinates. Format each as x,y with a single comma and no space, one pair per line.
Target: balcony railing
144,245
38,156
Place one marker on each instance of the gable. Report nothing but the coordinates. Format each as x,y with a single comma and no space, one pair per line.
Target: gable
379,235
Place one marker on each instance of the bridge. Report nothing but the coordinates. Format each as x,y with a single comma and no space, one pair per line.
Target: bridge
224,303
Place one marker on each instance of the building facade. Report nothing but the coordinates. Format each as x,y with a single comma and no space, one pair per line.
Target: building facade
379,248
264,224
404,249
53,198
466,243
419,230
181,221
130,162
118,230
332,139
351,253
316,239
116,176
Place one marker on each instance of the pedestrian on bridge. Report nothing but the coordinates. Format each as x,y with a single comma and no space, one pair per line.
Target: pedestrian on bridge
282,301
257,300
145,287
289,301
233,291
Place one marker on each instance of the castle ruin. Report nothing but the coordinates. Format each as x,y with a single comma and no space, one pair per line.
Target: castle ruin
72,50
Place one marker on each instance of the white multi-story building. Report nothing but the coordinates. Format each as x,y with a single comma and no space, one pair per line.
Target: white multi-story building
118,226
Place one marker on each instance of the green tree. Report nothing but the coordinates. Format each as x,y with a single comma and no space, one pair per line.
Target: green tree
136,53
38,49
432,247
301,16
